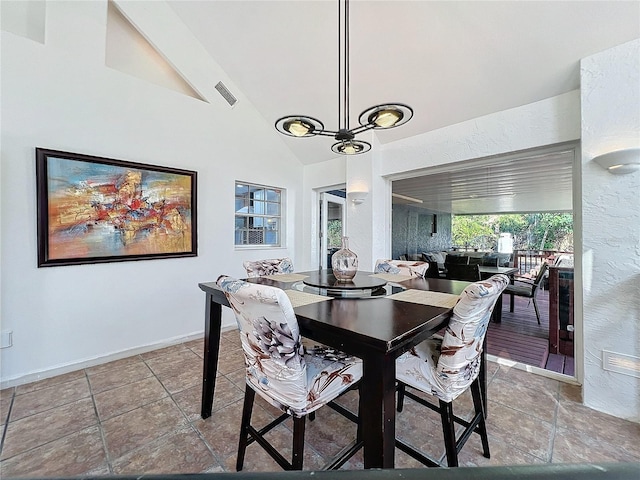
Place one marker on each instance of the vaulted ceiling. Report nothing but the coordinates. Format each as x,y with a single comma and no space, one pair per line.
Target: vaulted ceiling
450,60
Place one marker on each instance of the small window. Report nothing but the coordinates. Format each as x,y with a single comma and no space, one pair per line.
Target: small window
258,215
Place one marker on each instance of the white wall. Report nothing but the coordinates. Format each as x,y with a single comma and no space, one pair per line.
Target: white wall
60,95
610,93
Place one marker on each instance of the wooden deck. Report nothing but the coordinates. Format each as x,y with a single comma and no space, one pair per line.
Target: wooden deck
519,337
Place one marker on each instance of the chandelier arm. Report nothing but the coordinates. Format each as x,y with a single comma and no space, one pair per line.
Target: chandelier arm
362,128
326,133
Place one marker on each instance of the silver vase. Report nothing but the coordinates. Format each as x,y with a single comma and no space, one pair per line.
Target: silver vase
344,262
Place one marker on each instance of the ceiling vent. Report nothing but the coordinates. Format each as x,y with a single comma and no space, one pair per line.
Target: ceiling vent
226,94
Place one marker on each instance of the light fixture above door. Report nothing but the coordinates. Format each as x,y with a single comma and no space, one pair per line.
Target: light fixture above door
378,117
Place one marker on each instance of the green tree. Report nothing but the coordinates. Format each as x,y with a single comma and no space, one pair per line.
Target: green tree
530,231
334,233
471,230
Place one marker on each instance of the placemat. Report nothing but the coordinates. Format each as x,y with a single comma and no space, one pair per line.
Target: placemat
391,277
303,298
286,277
436,299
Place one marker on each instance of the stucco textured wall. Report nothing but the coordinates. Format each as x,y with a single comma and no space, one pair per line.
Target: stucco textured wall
610,99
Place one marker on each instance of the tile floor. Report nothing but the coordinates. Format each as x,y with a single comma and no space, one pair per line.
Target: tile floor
141,415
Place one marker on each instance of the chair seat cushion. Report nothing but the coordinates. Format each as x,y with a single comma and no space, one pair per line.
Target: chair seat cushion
521,290
329,373
417,368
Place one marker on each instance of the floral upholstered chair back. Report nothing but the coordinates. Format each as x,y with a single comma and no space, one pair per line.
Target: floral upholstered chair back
401,267
447,365
269,266
277,366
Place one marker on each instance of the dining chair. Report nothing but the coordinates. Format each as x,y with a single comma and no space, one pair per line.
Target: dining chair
268,266
449,365
401,267
467,273
282,371
528,288
456,259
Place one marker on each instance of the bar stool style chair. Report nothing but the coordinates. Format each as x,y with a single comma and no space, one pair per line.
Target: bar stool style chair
447,366
528,288
269,266
283,372
401,267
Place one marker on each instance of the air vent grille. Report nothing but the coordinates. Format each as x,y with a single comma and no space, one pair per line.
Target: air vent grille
226,94
621,363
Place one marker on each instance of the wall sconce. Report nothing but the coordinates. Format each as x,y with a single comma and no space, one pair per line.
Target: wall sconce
358,197
620,162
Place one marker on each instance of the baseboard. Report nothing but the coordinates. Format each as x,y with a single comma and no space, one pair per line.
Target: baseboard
92,362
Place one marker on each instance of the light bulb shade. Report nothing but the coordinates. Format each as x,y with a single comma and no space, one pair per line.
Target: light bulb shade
299,126
620,162
387,115
351,147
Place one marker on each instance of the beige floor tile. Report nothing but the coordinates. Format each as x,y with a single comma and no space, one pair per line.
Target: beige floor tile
160,352
179,452
128,397
35,430
182,375
600,427
6,397
170,364
538,402
502,453
523,432
117,377
115,365
49,382
36,401
138,427
76,454
575,446
526,379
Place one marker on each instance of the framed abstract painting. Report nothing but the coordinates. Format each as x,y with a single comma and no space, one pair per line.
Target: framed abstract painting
97,210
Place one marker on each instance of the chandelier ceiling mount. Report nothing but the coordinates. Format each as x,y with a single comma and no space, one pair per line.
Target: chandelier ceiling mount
378,117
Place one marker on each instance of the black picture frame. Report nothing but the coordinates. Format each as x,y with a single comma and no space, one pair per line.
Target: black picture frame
97,210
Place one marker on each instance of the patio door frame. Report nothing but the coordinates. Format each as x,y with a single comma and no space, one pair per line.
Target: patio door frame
325,198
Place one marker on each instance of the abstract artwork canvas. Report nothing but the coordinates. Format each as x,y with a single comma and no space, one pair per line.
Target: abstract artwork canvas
96,210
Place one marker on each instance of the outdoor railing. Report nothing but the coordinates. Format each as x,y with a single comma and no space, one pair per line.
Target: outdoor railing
528,260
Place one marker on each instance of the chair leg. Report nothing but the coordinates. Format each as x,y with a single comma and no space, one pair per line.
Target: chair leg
449,431
479,407
535,306
298,442
400,402
247,409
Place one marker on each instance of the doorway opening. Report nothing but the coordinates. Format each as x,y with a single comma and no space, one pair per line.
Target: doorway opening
462,196
332,222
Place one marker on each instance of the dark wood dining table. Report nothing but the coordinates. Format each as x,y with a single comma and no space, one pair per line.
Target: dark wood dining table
375,329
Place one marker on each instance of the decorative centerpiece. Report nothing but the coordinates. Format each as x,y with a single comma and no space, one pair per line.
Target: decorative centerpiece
344,262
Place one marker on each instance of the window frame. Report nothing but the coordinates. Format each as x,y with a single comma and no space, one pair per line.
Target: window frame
280,216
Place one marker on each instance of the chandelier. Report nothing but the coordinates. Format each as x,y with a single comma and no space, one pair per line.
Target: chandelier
378,117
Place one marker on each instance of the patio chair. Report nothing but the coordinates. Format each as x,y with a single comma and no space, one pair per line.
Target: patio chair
467,273
447,366
279,369
269,266
400,267
528,288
